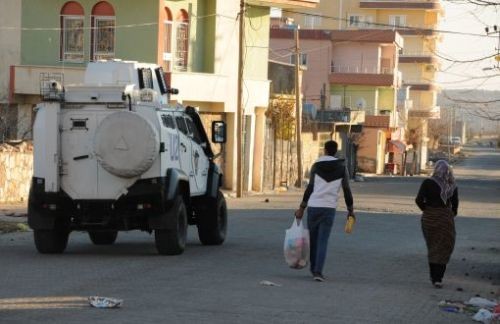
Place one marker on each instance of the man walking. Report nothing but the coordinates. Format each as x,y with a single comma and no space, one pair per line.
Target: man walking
327,175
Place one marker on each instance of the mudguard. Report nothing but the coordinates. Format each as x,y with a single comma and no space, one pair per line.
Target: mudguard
40,218
214,180
176,183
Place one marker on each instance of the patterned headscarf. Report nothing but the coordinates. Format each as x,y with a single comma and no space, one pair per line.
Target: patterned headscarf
443,175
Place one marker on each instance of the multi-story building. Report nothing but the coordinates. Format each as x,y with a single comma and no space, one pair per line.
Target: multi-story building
416,21
196,42
10,49
348,74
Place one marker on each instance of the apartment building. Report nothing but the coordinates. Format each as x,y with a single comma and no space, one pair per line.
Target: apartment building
415,21
196,42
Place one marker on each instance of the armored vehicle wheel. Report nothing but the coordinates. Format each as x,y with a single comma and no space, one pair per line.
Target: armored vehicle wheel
172,241
51,241
212,221
103,237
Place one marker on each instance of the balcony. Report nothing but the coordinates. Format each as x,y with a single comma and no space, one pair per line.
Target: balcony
341,116
419,85
363,75
196,88
402,4
386,119
418,57
434,113
290,4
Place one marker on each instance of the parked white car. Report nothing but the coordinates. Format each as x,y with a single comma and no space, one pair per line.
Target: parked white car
112,155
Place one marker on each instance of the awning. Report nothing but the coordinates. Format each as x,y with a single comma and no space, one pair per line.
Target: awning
396,146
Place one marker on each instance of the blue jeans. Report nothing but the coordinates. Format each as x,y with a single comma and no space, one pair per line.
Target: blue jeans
320,222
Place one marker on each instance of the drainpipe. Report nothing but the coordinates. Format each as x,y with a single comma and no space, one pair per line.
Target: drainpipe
341,13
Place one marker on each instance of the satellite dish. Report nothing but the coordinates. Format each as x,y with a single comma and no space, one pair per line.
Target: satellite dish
361,103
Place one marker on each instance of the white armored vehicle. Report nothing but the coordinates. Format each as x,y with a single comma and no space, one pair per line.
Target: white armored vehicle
112,155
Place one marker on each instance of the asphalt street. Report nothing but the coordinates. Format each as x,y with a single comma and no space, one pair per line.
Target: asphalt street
378,274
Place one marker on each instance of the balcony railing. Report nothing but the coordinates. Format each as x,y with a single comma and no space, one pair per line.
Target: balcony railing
341,68
416,53
341,116
400,4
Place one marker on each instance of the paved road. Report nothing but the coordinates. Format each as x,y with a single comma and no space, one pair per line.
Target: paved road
376,275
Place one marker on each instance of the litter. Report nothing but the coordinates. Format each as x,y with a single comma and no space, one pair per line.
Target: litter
483,316
105,302
269,283
481,302
482,310
455,306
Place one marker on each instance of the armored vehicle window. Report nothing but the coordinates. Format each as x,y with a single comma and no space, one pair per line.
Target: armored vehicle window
193,131
145,78
160,76
168,121
181,125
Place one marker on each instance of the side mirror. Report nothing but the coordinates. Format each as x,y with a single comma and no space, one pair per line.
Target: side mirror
218,132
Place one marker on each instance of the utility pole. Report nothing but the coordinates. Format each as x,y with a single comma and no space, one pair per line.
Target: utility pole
239,106
298,110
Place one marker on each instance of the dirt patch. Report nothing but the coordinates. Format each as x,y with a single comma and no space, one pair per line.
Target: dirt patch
11,227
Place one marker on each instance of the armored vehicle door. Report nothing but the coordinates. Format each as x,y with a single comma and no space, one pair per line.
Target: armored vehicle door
79,166
170,158
185,150
199,159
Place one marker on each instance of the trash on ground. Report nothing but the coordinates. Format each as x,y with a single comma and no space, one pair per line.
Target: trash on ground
269,283
483,316
455,306
482,310
105,302
482,302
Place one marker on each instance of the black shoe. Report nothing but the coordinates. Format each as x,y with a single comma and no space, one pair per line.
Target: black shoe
318,277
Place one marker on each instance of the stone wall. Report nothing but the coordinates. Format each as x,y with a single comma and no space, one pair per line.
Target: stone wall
16,170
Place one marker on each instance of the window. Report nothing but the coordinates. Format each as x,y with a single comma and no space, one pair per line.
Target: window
182,41
360,21
397,21
72,22
302,59
368,22
167,56
193,131
103,31
168,121
312,21
354,20
181,125
145,78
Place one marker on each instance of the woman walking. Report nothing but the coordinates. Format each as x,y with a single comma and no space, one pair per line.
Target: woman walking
438,200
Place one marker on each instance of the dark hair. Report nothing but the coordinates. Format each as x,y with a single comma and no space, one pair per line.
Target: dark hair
331,147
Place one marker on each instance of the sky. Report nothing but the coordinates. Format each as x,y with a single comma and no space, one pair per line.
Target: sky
469,18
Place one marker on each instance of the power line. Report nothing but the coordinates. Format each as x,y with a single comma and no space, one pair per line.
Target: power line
390,26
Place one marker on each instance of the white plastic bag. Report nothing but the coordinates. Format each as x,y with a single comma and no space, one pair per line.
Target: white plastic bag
296,245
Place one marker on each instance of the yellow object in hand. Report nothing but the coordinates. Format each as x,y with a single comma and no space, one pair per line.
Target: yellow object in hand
349,224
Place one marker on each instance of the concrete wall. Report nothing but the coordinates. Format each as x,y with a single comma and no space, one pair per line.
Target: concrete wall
16,169
371,150
10,43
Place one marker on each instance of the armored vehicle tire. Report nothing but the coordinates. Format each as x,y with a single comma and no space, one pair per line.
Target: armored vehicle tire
172,241
51,241
103,237
212,221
